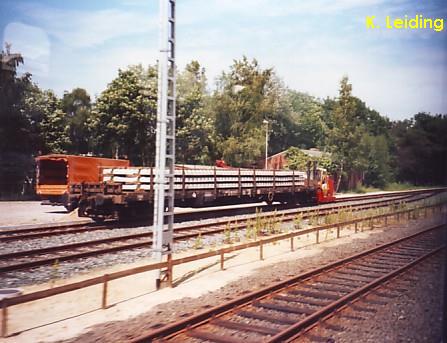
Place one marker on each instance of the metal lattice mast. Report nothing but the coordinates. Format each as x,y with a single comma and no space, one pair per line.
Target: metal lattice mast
165,140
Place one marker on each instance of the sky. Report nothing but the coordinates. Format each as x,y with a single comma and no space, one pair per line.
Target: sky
310,44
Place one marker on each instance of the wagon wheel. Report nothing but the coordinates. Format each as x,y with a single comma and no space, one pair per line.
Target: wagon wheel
270,197
98,219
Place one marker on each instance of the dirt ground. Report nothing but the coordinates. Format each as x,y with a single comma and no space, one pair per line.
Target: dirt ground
32,212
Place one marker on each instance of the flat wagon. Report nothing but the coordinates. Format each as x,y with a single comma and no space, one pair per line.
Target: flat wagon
56,172
129,192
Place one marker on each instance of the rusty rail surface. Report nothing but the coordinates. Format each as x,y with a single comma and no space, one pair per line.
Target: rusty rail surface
179,234
169,265
265,297
29,231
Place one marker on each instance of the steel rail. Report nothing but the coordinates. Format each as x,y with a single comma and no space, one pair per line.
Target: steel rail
214,315
45,231
291,333
380,261
180,233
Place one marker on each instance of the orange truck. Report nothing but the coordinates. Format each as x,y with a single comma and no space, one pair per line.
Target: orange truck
56,172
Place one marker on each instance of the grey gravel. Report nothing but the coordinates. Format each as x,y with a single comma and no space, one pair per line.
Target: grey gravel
70,268
413,315
169,312
52,241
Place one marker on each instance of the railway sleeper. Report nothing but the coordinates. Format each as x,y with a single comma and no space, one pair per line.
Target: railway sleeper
212,337
306,301
244,327
317,338
362,309
374,301
330,286
284,308
267,317
368,269
331,327
314,294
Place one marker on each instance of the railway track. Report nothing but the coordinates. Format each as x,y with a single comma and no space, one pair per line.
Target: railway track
19,260
47,230
283,311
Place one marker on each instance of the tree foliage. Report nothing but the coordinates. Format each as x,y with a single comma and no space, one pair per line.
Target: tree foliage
298,160
307,115
48,122
376,159
421,149
358,139
195,141
360,144
77,106
16,142
123,118
246,96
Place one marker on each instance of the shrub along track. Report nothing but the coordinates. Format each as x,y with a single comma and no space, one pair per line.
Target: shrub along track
27,259
285,310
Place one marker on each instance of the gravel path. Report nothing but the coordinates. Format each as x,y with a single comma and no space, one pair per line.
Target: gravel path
168,312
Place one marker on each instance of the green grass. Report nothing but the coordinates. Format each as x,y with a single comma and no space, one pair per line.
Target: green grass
392,186
364,189
398,186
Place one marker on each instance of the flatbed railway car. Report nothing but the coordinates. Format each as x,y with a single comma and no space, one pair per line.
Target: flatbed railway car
129,192
56,172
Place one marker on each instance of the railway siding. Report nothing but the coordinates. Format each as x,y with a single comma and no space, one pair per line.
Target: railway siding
260,224
170,264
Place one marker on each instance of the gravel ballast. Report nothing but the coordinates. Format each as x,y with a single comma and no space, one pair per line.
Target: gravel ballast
68,269
409,310
423,299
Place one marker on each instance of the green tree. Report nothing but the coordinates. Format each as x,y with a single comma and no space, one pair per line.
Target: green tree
358,138
194,122
49,127
31,123
16,142
13,118
374,123
298,160
310,128
345,133
376,158
123,119
77,107
236,151
421,149
246,96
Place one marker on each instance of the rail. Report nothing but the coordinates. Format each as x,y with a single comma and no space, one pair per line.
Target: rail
170,263
193,322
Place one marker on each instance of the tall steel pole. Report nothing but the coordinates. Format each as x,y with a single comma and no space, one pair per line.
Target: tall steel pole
266,122
165,139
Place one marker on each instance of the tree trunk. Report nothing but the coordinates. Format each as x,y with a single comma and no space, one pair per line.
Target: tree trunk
339,178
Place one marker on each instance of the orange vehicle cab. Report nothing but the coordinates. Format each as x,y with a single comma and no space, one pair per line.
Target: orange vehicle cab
56,172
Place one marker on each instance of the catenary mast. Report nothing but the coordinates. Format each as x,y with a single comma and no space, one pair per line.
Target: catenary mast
165,138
